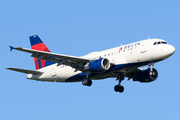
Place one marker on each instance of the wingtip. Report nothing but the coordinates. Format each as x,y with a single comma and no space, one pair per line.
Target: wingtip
8,68
11,48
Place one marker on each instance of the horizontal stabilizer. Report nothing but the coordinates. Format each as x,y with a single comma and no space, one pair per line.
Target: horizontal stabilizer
26,71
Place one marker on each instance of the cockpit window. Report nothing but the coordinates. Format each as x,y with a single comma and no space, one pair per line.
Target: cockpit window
160,42
164,42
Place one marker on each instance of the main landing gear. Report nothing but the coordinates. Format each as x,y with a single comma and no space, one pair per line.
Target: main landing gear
119,87
87,81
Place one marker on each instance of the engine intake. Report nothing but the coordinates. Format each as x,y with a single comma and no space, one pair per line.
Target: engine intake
98,65
146,75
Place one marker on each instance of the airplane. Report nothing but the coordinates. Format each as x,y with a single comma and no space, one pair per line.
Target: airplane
120,62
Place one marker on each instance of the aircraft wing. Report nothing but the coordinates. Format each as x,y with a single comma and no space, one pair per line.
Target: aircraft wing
72,61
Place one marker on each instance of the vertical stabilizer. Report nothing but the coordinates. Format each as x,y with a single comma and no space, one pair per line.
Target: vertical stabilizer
37,44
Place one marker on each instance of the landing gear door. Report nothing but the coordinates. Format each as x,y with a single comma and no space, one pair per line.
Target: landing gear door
143,47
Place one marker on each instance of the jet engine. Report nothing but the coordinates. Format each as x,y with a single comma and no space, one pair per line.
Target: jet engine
146,75
98,65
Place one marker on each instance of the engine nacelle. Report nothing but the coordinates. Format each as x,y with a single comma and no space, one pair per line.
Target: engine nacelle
98,65
146,75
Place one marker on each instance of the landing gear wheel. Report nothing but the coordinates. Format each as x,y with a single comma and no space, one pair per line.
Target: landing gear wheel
84,81
121,89
87,82
90,83
118,88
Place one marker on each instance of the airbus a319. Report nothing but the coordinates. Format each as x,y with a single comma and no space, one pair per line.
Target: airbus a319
119,63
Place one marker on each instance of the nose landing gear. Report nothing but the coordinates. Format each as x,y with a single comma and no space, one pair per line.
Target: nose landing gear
151,68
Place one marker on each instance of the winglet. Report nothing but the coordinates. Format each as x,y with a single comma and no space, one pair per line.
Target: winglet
11,48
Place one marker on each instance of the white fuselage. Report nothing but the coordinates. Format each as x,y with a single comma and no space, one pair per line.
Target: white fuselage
138,52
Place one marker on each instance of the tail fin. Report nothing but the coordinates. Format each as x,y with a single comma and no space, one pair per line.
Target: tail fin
37,44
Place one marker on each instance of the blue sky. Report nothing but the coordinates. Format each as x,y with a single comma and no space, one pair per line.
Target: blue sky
77,28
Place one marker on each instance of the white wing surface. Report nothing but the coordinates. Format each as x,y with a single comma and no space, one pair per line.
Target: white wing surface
75,62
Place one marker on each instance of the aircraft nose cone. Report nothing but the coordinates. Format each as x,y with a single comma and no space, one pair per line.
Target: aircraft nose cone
171,50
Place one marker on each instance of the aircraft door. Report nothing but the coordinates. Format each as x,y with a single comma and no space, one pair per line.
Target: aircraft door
53,72
143,47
